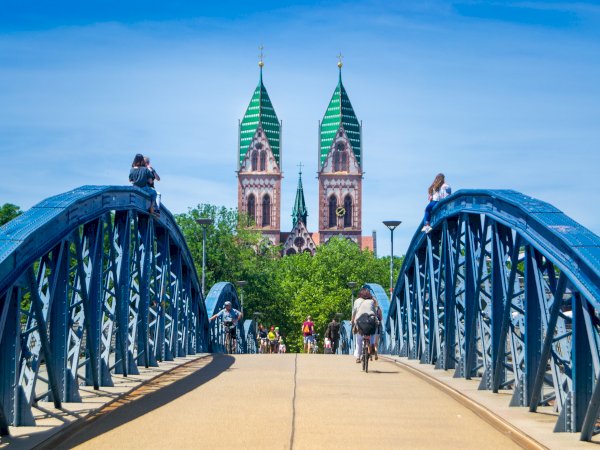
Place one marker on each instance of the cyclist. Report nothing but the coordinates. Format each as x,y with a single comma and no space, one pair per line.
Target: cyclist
364,318
308,329
262,338
273,340
230,317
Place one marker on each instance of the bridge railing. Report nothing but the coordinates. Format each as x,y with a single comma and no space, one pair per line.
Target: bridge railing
91,285
346,345
506,289
250,332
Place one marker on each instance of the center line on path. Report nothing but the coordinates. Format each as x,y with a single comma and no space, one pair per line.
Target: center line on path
294,403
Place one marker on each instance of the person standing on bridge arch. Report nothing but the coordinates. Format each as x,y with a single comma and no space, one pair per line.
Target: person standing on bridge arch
140,176
436,192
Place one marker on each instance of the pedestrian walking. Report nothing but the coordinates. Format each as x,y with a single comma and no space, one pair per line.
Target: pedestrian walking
333,334
308,330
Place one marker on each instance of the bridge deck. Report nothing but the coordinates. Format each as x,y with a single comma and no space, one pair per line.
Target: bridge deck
289,401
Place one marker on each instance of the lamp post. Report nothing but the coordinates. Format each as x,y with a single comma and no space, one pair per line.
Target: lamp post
241,285
352,285
392,224
204,222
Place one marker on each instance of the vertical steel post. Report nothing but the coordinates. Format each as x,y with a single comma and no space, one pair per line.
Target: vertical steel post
449,231
10,350
59,320
123,227
581,363
144,286
533,322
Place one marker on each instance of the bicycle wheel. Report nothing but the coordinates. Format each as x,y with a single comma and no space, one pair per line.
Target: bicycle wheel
227,343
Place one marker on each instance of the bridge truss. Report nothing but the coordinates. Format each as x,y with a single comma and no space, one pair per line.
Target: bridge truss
506,288
90,286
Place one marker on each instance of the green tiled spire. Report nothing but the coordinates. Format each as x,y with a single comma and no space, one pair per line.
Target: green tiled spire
299,211
260,112
340,113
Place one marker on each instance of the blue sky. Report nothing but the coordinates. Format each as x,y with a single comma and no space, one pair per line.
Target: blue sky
494,94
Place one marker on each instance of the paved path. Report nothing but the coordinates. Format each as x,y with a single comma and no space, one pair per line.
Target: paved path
288,401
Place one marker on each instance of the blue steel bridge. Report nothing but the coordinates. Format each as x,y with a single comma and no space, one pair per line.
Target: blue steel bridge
504,290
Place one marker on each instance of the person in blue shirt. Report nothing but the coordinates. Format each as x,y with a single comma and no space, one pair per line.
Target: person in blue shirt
230,317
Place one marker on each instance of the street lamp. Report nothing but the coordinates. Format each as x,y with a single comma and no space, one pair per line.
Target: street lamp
204,222
392,224
352,285
241,285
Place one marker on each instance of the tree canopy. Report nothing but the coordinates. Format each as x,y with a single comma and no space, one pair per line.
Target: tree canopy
284,290
8,212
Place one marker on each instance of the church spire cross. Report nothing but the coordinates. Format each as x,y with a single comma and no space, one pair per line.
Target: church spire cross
261,62
340,64
300,165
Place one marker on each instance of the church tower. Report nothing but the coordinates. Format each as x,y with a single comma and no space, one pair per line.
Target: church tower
259,165
340,169
299,239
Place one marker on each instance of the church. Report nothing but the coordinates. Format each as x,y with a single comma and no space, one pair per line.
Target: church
339,169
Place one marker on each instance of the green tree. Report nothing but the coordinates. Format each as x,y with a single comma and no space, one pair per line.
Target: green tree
284,290
8,212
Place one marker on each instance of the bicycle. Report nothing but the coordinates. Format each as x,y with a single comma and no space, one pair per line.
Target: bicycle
264,346
230,341
365,353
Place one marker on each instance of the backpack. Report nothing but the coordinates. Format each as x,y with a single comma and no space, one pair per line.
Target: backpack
306,329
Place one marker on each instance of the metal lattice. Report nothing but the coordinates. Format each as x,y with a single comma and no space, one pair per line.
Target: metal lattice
90,286
506,289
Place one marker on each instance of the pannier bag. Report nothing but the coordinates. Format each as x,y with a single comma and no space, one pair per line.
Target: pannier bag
367,324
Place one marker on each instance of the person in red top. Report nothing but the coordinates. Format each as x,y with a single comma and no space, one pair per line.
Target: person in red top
308,329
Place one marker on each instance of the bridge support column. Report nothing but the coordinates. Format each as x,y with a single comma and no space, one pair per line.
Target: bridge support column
574,410
123,229
10,350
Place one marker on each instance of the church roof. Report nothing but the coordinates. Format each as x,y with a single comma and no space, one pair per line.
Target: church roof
260,112
340,114
299,211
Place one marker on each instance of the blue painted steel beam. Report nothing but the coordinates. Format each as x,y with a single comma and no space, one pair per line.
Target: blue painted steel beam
510,287
91,266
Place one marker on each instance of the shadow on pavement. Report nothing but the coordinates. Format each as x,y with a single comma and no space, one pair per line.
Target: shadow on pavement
147,403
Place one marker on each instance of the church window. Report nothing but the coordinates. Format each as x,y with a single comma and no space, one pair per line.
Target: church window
332,211
336,161
254,161
252,208
290,251
299,241
266,211
263,161
348,211
344,161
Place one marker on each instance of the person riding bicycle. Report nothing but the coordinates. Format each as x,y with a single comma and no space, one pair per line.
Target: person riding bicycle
230,317
273,340
262,338
364,318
